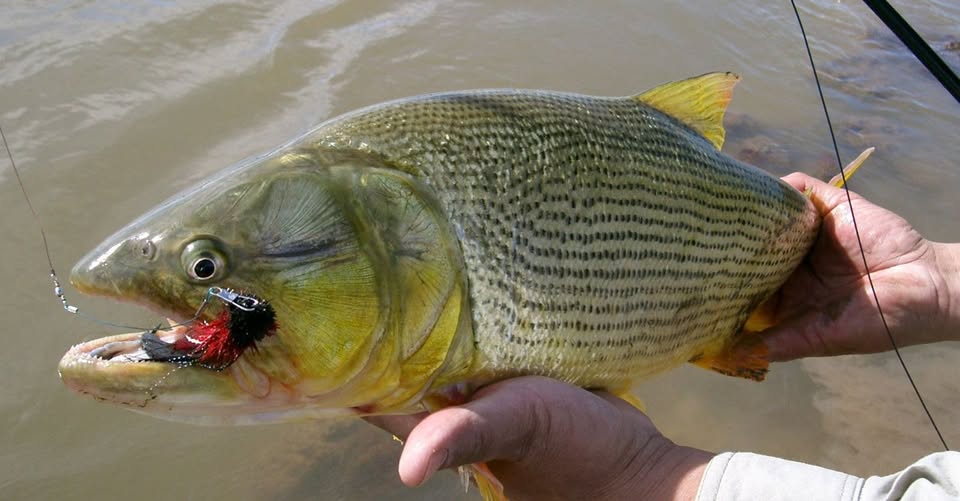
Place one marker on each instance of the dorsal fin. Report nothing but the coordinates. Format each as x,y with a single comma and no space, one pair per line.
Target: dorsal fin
698,102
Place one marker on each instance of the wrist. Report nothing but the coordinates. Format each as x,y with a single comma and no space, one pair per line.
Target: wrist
947,267
665,470
684,474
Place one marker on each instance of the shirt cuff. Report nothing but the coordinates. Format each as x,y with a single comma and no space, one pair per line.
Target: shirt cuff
734,476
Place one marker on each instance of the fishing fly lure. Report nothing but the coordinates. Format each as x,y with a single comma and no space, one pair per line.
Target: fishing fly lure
217,343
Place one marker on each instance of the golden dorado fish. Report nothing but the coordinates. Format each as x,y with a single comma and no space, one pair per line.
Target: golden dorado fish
396,257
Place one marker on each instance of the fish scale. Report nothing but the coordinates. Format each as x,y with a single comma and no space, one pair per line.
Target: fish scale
604,240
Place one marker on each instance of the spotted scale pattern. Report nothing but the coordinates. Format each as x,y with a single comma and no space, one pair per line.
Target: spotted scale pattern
604,240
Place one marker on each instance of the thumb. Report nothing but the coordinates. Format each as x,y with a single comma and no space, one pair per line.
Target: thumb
496,425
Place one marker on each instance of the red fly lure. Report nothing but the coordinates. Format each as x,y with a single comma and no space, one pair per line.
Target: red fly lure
217,343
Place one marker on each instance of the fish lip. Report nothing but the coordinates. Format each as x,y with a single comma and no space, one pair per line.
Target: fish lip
81,361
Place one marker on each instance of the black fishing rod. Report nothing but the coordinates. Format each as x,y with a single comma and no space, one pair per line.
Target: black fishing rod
917,45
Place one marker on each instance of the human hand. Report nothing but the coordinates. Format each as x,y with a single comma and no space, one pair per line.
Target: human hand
827,307
544,439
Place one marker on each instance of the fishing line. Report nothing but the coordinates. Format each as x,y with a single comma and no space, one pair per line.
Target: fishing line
245,303
856,231
151,391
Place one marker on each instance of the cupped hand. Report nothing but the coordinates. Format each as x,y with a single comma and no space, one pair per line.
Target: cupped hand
827,306
544,439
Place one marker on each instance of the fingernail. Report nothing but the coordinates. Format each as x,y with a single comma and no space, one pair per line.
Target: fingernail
437,460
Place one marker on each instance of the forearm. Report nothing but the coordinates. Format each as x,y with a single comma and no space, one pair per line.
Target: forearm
734,476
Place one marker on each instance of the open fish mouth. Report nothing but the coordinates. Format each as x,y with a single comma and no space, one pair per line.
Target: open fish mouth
120,369
194,371
189,357
125,368
213,343
147,372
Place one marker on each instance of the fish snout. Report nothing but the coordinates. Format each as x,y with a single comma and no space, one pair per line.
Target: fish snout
106,271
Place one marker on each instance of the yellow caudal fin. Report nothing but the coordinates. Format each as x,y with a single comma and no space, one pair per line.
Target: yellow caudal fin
840,179
699,102
746,358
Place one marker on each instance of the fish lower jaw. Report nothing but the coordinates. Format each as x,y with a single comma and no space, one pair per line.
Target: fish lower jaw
117,369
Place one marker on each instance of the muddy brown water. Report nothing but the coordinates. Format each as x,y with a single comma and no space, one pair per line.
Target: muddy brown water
110,107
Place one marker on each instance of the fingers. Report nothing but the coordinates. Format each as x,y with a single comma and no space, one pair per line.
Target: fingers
840,327
531,421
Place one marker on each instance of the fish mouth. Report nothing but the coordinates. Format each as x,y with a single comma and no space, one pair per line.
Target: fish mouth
126,369
120,368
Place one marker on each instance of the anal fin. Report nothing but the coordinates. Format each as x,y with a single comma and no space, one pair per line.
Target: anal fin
490,488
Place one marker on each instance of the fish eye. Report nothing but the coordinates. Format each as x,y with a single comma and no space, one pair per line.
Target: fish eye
203,268
204,260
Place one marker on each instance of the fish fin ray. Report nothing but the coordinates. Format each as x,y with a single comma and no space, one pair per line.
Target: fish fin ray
763,317
698,102
840,179
628,397
746,358
487,483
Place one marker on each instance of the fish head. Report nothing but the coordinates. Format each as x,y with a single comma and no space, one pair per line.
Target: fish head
331,246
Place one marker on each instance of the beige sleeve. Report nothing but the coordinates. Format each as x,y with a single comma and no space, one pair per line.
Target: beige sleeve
744,476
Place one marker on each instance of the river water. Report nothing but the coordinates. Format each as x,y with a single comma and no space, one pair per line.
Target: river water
112,106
